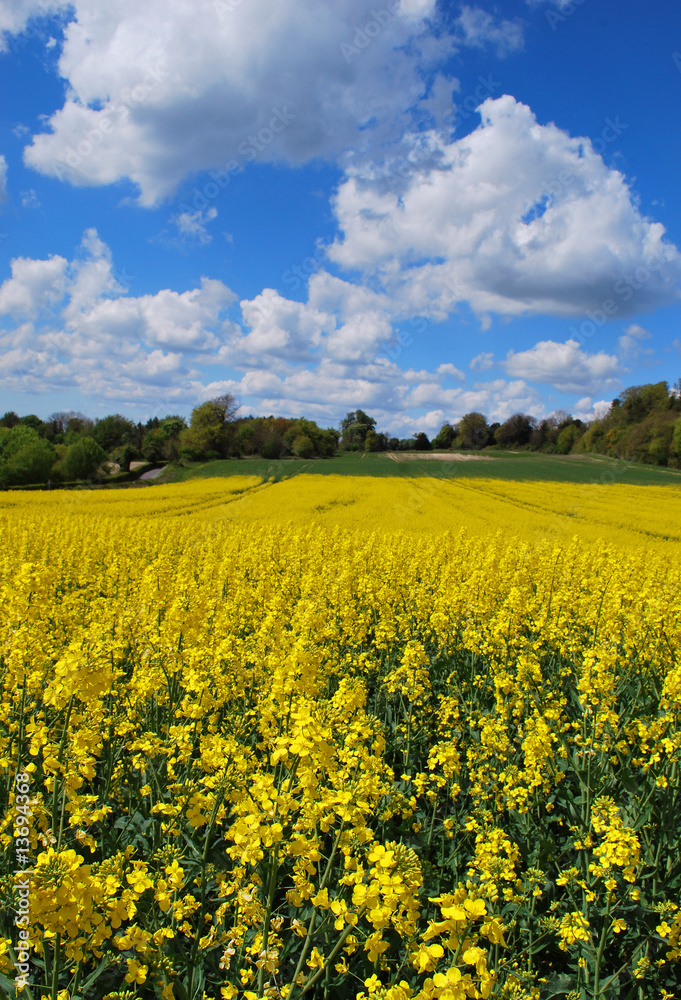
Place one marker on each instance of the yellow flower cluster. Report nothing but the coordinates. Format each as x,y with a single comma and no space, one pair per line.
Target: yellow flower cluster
387,753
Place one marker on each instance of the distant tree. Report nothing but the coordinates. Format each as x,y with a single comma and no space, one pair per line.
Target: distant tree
210,432
675,447
82,459
162,444
32,421
375,441
78,426
516,431
10,419
112,431
323,442
421,442
354,428
568,438
57,423
393,444
473,431
25,457
13,440
444,438
302,446
638,401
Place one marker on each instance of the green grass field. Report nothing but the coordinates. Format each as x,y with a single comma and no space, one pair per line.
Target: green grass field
493,465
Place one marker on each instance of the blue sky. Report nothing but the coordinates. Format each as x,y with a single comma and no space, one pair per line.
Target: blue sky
413,207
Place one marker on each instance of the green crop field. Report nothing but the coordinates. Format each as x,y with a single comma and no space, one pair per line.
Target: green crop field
521,466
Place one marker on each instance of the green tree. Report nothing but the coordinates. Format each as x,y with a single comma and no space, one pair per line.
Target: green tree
375,442
567,439
162,443
35,422
324,442
473,431
444,438
675,447
211,432
112,431
638,401
354,429
302,446
517,430
78,426
421,442
25,457
82,459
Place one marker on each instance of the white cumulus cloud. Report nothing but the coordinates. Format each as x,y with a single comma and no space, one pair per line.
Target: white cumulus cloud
630,343
482,362
75,327
480,29
565,366
515,218
163,89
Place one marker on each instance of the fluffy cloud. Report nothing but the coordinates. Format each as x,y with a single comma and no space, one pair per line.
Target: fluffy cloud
29,199
191,226
515,218
585,409
15,15
630,342
482,362
71,325
75,327
257,82
449,370
34,285
565,366
280,328
478,28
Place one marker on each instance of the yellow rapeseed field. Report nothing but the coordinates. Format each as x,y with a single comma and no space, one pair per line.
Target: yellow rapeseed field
339,737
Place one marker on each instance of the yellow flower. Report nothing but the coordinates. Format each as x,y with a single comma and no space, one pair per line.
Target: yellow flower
316,959
137,973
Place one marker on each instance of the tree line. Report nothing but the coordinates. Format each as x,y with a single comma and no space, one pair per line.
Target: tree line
643,424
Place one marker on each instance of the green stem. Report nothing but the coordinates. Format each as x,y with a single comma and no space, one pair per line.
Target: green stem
312,979
55,968
601,947
199,927
274,865
60,755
